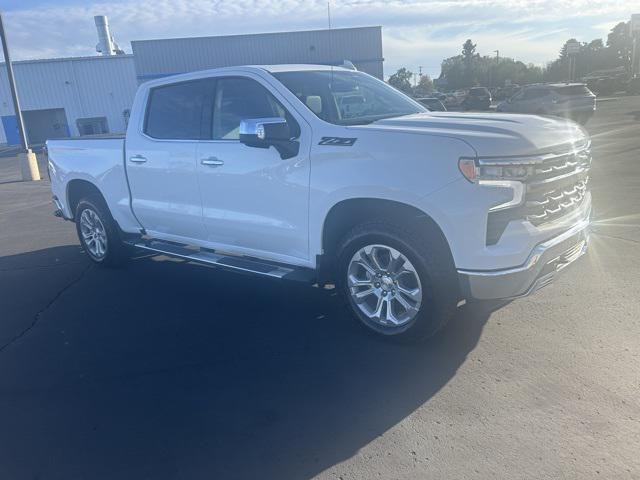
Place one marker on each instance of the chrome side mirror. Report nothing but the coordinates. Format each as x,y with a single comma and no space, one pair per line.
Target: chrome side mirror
255,132
266,132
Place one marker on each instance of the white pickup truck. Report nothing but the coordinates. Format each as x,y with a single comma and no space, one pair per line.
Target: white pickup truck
331,176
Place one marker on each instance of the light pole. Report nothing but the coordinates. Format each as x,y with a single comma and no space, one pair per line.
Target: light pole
28,160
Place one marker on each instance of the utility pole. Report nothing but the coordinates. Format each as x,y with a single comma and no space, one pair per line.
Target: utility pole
28,160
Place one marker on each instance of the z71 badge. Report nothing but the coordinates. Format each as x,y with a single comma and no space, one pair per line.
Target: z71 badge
337,141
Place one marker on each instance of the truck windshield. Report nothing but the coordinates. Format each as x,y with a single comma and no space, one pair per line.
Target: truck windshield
347,98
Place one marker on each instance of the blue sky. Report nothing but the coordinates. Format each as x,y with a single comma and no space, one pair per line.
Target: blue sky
415,32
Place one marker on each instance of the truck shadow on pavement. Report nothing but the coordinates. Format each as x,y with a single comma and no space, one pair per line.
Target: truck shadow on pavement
172,370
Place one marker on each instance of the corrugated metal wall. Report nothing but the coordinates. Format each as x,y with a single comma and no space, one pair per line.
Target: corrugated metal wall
102,86
362,46
85,87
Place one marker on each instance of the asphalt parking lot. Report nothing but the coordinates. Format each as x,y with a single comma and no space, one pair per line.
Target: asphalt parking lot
170,370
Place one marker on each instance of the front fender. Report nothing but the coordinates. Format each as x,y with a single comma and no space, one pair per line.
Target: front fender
398,166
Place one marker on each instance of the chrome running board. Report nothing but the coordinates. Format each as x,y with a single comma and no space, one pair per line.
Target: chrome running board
228,262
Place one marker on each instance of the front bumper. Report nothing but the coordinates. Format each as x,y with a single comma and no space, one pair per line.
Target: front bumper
545,261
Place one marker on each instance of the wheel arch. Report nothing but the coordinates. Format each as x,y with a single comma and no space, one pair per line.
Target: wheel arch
347,213
77,189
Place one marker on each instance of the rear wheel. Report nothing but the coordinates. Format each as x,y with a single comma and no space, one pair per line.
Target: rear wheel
98,233
397,282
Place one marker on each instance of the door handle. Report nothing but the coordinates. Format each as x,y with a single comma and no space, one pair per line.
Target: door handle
138,159
212,161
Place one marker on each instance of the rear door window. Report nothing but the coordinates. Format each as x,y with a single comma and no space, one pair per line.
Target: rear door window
176,111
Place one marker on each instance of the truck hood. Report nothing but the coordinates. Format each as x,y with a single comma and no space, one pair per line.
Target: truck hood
492,134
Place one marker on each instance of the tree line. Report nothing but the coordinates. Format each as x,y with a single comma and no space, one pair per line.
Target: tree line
469,68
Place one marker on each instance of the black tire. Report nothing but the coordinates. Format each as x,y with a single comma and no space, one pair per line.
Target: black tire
116,252
430,256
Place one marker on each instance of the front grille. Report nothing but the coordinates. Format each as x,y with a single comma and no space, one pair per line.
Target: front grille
549,205
556,187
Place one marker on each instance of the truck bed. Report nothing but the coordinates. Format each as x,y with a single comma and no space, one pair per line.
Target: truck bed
97,160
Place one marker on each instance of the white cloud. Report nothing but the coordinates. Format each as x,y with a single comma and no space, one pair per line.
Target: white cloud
416,32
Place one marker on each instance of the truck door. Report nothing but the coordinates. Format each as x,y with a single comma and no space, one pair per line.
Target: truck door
254,202
161,161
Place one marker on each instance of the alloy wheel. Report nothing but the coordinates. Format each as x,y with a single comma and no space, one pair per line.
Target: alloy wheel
384,285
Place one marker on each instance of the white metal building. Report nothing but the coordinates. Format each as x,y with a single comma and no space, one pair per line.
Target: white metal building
360,45
64,97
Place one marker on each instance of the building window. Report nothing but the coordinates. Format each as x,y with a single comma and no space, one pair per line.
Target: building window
92,126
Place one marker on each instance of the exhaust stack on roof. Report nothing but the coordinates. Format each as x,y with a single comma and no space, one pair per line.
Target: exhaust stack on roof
106,45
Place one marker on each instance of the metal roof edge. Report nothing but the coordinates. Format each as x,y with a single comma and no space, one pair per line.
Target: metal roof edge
236,35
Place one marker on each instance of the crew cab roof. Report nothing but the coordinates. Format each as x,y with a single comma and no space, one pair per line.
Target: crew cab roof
246,68
299,68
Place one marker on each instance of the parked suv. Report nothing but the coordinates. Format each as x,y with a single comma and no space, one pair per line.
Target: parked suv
478,98
570,100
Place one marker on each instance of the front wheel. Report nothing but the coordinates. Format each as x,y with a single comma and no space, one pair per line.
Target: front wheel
397,282
98,233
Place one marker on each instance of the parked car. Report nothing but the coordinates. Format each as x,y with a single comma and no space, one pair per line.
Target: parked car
571,100
433,104
439,95
503,93
352,105
478,98
255,169
454,100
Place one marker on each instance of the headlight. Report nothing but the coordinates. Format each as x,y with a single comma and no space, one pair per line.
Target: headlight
482,171
508,173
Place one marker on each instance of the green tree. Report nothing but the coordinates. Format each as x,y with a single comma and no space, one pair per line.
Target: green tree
620,43
452,73
469,51
595,55
469,57
425,85
402,80
470,69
